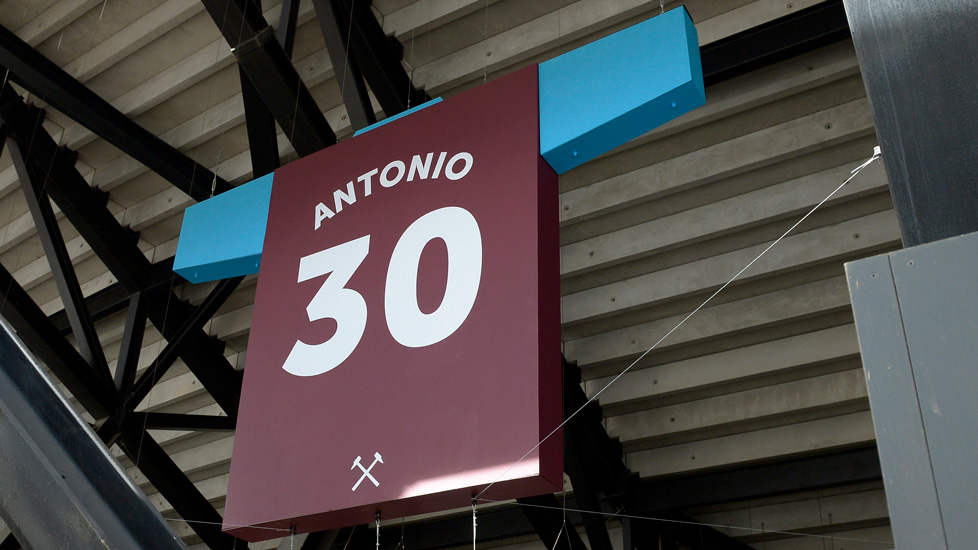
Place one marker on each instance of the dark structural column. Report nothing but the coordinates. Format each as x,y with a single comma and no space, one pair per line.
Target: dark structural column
60,487
915,309
919,62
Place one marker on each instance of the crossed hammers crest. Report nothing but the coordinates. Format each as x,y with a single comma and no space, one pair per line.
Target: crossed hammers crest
366,471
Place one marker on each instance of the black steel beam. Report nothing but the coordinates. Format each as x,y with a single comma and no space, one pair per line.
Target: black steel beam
183,422
61,488
638,534
783,38
260,124
335,23
550,524
75,197
52,242
585,491
100,305
9,543
46,80
119,253
270,70
380,61
115,298
287,19
132,342
166,476
97,396
178,341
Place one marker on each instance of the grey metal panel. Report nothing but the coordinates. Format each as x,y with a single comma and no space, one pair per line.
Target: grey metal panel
919,61
937,285
59,487
911,492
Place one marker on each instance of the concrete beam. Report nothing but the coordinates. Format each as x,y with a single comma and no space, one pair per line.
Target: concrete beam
825,511
585,18
739,155
53,19
817,435
725,319
863,235
758,408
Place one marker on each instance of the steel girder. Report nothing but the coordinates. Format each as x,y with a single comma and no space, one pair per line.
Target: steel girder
379,57
179,338
175,487
262,141
33,183
336,24
132,340
271,72
46,80
119,253
50,346
766,44
61,488
177,321
553,527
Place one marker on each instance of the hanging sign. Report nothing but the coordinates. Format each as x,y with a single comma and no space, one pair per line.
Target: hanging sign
405,348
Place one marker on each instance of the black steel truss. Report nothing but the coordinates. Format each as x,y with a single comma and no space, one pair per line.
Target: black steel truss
379,57
260,123
175,487
52,242
550,524
47,170
271,72
50,346
335,22
46,80
132,338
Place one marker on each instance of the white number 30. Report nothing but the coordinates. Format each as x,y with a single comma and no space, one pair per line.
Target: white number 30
407,323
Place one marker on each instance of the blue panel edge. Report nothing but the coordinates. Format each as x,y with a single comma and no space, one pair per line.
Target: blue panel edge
557,101
223,236
402,114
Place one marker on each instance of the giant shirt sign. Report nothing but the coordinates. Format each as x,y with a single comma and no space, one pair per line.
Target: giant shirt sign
405,348
405,352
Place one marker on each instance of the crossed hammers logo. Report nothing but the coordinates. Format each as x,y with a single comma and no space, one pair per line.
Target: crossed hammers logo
366,471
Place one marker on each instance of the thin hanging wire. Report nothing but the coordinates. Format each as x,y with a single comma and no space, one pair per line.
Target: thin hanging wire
475,524
662,7
346,50
485,58
377,523
855,171
349,538
410,84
